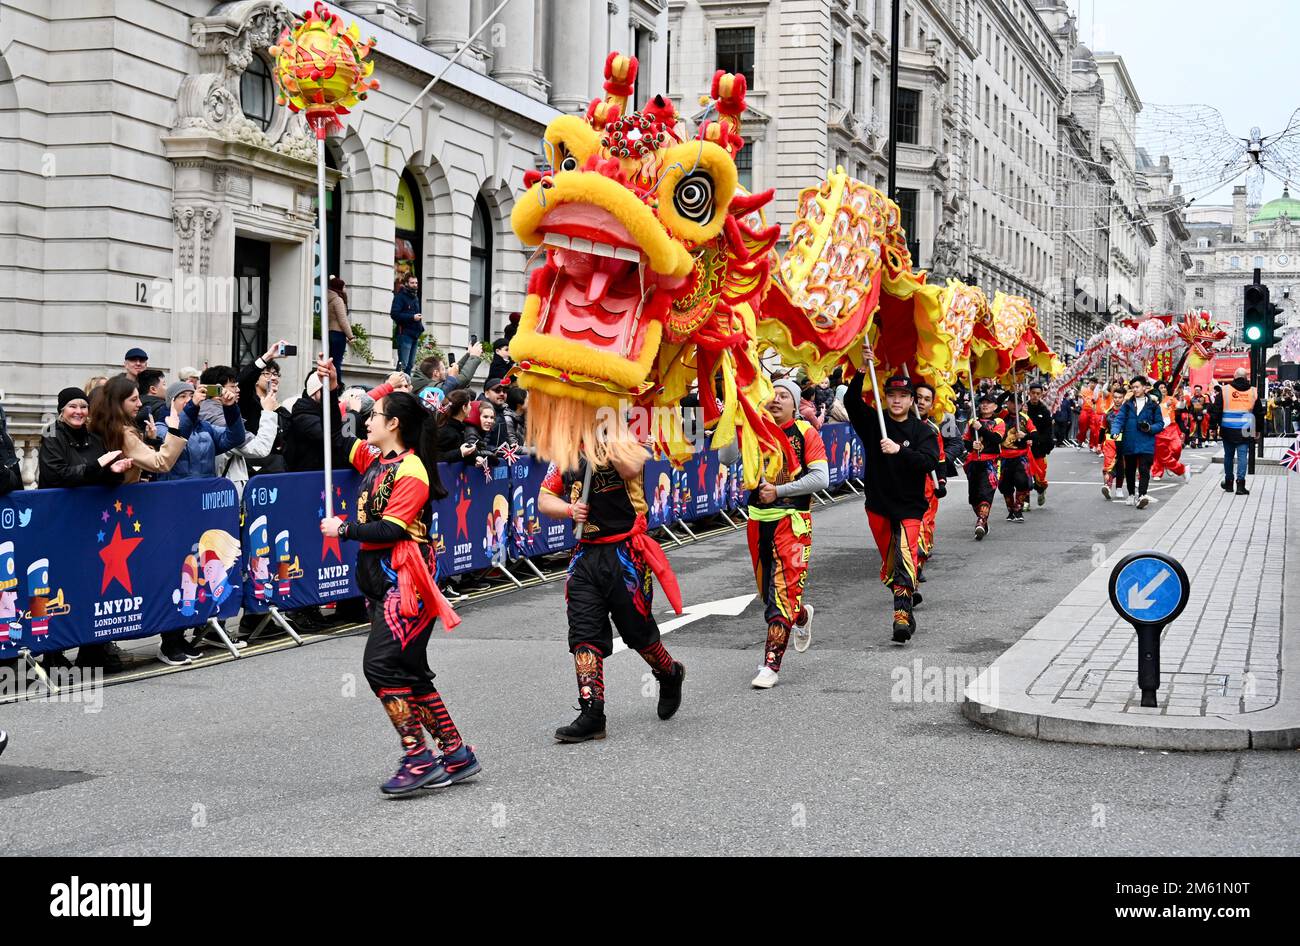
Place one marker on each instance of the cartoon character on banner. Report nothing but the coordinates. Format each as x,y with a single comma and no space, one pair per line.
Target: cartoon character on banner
494,541
218,554
720,486
681,494
663,493
259,562
38,596
11,625
286,563
846,458
519,521
187,595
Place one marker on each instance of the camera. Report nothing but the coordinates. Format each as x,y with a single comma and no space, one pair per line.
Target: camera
287,350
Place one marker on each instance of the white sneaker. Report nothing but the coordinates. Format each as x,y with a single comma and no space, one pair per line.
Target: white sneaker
1142,502
1187,476
1132,500
765,680
1105,491
803,635
1152,499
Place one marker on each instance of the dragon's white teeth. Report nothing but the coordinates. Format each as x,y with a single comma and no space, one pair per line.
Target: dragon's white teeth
602,249
556,239
628,254
580,245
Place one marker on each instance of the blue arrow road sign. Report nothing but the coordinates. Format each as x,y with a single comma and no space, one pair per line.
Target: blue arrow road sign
1149,588
1078,346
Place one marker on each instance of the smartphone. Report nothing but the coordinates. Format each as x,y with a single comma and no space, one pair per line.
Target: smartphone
287,350
473,339
213,390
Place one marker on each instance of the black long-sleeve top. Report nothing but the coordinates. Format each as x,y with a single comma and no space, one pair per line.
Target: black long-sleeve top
895,483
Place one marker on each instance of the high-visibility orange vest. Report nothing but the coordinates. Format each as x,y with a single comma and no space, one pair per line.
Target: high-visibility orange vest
1238,408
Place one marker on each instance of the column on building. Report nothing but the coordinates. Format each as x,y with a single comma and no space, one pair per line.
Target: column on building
514,62
572,65
448,25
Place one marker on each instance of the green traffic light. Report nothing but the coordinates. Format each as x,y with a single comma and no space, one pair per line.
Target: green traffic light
1254,333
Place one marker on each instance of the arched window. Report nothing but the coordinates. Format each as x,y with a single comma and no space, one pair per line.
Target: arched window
408,232
256,94
480,272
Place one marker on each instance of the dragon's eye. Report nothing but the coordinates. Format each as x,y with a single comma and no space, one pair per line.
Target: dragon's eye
693,197
570,163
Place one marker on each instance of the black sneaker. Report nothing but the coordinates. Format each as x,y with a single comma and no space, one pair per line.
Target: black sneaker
194,649
174,653
1020,517
903,625
916,598
981,530
105,656
1011,516
57,660
590,723
1042,496
670,690
1241,488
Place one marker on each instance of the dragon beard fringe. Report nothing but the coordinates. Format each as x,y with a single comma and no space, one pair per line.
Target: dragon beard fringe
564,431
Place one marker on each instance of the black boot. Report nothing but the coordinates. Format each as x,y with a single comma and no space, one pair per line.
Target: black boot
670,690
590,723
1241,488
1226,486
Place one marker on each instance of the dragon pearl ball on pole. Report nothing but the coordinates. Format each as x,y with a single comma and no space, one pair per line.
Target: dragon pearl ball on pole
321,70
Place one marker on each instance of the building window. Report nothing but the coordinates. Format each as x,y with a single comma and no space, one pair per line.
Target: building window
745,167
736,52
256,95
1259,262
1200,266
480,272
857,86
907,218
909,116
836,55
1235,262
875,94
1199,292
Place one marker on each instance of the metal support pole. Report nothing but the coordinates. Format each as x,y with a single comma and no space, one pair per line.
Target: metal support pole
533,568
30,660
893,107
1149,662
221,632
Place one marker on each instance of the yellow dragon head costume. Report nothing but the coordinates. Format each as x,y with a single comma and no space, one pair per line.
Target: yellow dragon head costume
660,276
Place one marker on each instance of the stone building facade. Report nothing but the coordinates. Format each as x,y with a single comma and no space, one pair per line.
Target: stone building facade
1226,244
162,199
1162,201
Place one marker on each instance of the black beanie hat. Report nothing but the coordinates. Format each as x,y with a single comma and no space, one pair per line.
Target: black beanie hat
68,395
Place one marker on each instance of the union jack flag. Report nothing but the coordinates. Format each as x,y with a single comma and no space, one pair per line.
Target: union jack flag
1291,456
508,452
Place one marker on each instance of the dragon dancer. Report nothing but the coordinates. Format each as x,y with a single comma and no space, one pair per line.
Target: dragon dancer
611,576
1013,477
1041,444
899,460
983,438
936,487
780,533
399,476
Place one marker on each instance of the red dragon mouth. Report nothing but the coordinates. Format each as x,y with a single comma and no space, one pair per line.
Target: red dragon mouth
603,285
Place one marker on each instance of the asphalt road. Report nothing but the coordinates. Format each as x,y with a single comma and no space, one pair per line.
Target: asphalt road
283,753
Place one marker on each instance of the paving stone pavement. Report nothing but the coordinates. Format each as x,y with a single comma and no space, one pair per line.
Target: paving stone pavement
1223,662
1223,654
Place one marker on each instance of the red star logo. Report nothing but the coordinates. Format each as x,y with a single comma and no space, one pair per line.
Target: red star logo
462,508
331,544
835,450
704,472
114,556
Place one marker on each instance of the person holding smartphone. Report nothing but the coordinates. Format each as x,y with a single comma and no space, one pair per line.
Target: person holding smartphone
340,326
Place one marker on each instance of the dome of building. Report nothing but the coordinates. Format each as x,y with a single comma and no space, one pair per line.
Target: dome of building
1286,205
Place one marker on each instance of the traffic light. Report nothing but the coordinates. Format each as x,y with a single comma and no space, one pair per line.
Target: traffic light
1276,323
1257,317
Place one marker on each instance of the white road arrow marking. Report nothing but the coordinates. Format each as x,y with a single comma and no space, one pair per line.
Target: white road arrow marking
727,607
1141,600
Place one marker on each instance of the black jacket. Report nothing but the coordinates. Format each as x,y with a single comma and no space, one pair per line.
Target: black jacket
450,437
70,457
305,442
1043,441
11,477
895,483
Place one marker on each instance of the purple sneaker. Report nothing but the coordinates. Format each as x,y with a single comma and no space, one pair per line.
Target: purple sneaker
414,772
455,767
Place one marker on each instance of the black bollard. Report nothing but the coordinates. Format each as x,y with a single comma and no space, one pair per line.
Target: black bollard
1149,661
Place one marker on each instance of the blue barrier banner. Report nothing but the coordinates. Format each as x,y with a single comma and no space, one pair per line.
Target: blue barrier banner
287,561
473,521
532,533
659,493
707,487
85,566
843,453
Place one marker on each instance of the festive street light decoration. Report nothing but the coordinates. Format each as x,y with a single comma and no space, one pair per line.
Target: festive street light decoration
322,69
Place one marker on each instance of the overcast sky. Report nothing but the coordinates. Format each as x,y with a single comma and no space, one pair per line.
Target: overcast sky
1199,52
